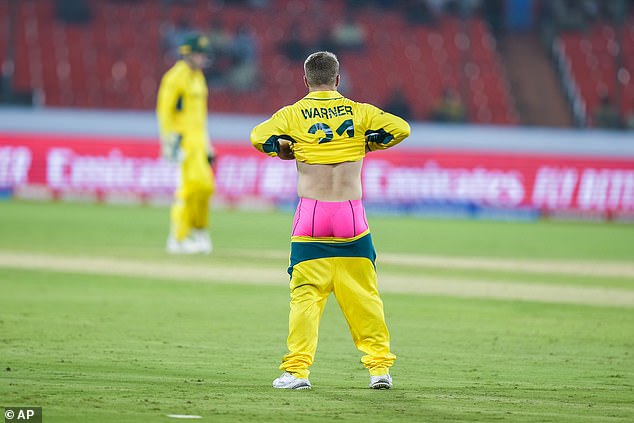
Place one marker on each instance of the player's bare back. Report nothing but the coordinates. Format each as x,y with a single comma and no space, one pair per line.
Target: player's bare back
330,182
325,182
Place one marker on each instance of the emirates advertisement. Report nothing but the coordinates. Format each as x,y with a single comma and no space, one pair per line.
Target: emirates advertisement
402,180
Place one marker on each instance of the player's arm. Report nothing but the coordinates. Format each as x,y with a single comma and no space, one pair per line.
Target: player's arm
167,106
270,137
384,130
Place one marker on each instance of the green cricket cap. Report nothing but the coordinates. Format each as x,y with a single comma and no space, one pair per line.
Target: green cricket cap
194,43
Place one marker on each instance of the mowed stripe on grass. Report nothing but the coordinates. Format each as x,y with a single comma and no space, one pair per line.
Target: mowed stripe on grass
254,274
556,267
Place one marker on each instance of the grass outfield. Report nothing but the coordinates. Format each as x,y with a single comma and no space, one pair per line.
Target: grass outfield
91,346
141,231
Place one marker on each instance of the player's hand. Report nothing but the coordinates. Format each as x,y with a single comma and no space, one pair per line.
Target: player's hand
374,137
286,150
171,148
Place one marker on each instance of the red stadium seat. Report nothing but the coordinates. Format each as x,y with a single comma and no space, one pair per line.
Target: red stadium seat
75,64
593,63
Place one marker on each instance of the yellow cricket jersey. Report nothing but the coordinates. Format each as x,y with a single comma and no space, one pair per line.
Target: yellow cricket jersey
327,128
182,106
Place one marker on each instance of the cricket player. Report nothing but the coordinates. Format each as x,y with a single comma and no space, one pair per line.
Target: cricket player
182,117
331,248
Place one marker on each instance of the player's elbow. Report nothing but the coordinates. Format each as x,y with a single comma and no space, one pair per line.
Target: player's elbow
262,144
406,130
255,140
403,131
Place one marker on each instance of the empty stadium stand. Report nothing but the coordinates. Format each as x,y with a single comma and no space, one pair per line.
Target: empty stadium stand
600,61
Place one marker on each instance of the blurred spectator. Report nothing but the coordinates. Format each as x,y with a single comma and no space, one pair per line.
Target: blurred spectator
437,7
568,14
259,4
449,108
462,7
590,9
422,11
324,41
244,50
221,60
219,38
606,114
385,4
73,11
397,104
614,10
493,11
244,47
348,34
294,48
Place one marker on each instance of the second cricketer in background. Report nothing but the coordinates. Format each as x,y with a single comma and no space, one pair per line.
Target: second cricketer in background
182,117
331,248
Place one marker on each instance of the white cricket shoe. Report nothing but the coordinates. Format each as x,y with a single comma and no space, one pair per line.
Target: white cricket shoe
202,238
185,246
288,381
381,382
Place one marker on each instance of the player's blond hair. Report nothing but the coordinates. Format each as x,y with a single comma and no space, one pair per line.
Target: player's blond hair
321,68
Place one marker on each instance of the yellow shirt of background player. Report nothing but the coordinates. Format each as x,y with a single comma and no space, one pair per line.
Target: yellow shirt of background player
327,128
182,105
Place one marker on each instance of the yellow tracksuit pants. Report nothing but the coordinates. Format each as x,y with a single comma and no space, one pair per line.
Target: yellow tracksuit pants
347,270
190,209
